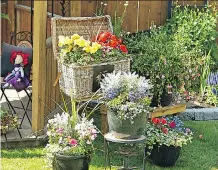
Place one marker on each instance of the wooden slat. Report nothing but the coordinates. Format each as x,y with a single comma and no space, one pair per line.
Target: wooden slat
144,22
39,63
169,110
11,14
75,8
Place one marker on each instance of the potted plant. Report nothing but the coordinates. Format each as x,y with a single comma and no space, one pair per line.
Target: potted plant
86,48
8,121
164,138
127,97
70,142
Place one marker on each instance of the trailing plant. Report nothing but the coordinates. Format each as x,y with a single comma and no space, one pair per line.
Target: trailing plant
169,131
128,95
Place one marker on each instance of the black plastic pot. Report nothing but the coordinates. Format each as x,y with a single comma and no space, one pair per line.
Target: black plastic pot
63,162
165,155
165,100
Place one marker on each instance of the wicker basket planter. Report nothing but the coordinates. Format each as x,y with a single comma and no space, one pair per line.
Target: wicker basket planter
82,81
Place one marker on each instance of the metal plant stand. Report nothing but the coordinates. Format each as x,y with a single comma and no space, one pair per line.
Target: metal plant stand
109,137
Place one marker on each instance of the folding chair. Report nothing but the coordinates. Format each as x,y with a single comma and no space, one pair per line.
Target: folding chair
21,39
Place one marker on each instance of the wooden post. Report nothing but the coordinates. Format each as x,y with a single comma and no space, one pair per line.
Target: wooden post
75,8
39,69
12,16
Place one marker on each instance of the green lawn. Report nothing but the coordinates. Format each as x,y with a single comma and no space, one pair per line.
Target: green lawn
201,154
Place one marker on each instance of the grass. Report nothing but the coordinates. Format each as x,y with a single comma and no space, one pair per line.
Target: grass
201,154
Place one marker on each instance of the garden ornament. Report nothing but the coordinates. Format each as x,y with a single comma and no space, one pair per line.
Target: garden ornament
17,77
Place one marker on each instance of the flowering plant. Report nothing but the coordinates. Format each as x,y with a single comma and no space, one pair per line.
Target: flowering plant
128,95
169,131
67,138
8,121
104,47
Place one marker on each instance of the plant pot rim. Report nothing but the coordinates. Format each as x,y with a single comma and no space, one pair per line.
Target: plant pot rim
71,156
96,64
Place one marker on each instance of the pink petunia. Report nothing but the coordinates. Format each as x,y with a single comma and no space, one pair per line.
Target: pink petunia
73,142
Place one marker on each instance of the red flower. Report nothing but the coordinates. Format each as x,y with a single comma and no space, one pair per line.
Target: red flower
172,124
123,48
104,36
113,44
165,130
163,121
155,120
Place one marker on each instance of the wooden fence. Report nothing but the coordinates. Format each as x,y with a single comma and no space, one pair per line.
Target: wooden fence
139,15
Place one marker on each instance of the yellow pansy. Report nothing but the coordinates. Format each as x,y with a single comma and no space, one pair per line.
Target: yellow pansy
93,49
87,43
80,42
87,49
75,36
61,41
96,45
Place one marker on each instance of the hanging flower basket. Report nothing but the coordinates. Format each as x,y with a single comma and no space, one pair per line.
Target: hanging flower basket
86,48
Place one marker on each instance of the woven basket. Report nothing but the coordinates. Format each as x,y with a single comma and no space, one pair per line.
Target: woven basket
77,81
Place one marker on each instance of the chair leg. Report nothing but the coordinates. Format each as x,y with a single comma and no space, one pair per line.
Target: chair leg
8,102
25,112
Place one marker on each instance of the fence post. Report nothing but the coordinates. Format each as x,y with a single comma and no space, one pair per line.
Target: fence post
75,8
12,15
39,66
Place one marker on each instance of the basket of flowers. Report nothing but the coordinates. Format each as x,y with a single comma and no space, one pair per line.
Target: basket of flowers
85,48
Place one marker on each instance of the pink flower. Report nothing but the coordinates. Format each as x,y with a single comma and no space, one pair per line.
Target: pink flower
172,124
93,137
59,130
73,142
188,130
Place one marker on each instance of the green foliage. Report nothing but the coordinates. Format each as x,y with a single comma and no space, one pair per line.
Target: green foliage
178,53
8,121
5,16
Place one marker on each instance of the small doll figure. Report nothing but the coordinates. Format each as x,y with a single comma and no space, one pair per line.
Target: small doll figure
17,78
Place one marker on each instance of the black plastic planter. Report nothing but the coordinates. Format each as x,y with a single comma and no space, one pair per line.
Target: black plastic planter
63,162
165,155
165,100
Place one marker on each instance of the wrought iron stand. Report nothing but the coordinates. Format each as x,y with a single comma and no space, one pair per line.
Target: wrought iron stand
109,137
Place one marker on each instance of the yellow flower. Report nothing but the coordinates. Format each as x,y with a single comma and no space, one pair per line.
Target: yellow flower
61,41
87,43
80,42
96,45
75,36
87,49
93,50
64,40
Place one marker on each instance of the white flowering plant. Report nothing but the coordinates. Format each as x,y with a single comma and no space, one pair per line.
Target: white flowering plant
128,95
67,137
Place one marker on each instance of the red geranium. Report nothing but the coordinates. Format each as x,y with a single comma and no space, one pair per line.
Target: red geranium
123,48
165,130
155,120
114,44
163,121
172,124
108,39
